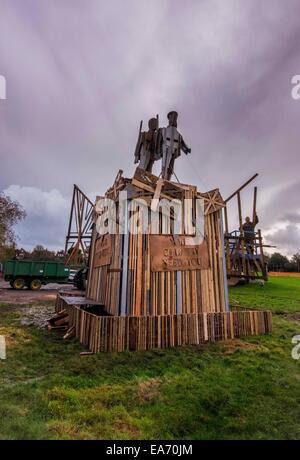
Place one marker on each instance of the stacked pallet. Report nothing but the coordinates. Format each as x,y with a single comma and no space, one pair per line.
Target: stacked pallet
116,333
128,282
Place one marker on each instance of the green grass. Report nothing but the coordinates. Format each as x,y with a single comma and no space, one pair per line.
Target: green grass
243,389
280,294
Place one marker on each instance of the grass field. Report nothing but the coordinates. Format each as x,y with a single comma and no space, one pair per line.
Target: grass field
279,294
243,389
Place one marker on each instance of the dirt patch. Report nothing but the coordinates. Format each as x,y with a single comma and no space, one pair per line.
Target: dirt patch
47,294
34,308
13,383
30,315
291,274
126,428
230,346
15,336
293,316
149,389
36,315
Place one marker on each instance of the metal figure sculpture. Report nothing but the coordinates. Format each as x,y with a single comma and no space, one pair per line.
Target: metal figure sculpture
160,143
171,146
147,146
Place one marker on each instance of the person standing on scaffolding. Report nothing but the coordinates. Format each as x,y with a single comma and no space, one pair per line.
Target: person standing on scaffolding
249,231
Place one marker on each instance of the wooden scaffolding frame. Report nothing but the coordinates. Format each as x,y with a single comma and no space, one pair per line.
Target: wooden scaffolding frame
79,234
245,257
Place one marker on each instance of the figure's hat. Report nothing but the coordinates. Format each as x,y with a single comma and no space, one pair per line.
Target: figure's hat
173,112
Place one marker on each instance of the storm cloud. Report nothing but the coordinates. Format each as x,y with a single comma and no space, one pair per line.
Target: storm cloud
80,75
46,217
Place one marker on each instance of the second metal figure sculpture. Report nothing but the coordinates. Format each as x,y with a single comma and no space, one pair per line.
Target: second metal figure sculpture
160,143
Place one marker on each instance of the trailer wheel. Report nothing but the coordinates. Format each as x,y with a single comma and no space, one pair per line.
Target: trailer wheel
18,283
35,285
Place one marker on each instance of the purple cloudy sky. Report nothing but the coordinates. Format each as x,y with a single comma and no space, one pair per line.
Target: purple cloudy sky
81,74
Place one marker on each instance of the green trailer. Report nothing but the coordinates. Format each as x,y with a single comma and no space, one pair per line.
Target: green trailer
34,273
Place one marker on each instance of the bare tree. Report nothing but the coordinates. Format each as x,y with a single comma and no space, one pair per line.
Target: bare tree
11,212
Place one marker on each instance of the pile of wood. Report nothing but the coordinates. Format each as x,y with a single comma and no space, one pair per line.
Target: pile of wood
157,289
61,320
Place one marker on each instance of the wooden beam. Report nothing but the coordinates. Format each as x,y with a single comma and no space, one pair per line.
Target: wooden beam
241,187
254,205
240,210
156,197
226,220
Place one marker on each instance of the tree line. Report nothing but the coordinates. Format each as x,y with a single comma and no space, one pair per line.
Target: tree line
279,263
11,212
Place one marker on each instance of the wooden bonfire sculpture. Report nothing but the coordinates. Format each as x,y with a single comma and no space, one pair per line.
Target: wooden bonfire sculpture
157,264
164,273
